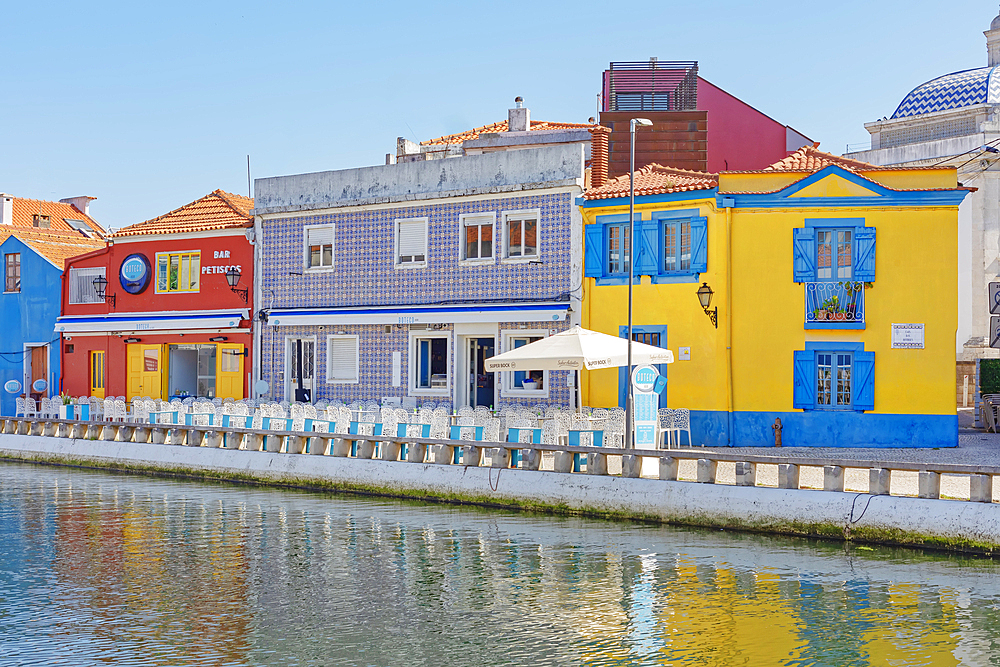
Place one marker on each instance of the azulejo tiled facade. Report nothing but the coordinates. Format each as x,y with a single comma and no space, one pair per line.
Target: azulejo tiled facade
379,318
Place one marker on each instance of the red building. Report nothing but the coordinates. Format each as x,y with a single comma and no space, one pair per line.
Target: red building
153,314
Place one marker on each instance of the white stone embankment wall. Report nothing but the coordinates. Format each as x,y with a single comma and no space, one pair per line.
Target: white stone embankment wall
757,508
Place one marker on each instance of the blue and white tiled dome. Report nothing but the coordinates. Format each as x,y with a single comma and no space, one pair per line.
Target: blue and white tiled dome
952,91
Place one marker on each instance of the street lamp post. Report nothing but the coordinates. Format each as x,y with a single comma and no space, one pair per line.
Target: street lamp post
631,263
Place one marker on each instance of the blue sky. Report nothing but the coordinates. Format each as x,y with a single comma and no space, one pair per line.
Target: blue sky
147,106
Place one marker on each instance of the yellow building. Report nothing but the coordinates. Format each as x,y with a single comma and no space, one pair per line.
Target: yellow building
847,344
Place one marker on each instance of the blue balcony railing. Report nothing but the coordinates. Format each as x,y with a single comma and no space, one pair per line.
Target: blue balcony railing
835,303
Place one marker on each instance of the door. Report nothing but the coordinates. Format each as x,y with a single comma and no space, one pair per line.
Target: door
481,384
38,369
229,376
97,373
300,365
650,335
145,371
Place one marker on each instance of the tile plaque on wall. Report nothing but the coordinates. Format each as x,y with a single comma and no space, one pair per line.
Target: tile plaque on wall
908,336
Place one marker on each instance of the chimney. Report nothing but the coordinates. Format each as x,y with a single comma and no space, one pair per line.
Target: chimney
599,155
82,204
518,119
6,209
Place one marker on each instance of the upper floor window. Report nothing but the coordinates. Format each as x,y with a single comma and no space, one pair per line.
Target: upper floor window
178,272
618,244
318,251
477,237
342,359
81,284
834,254
676,245
521,235
411,242
41,221
12,272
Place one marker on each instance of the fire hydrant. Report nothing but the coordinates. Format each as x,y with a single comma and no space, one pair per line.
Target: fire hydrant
777,432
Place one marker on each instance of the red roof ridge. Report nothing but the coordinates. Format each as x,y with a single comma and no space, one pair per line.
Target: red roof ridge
807,157
501,126
654,179
236,214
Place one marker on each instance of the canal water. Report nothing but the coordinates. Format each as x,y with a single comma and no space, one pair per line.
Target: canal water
98,568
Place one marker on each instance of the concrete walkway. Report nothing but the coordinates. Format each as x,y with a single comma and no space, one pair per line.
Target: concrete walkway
975,447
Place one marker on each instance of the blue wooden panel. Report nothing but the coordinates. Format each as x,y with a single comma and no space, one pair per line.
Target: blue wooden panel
864,264
593,266
864,381
699,245
804,391
804,254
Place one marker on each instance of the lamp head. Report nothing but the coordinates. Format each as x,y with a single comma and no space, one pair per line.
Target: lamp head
645,122
100,286
233,276
705,295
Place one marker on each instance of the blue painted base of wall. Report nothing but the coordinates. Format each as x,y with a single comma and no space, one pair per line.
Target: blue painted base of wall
825,429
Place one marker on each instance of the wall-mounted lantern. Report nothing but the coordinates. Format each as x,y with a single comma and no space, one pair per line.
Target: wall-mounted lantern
233,276
705,297
101,286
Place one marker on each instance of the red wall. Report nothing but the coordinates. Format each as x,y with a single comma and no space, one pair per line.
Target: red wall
214,294
739,136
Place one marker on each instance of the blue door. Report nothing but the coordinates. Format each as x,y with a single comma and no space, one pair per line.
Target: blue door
650,335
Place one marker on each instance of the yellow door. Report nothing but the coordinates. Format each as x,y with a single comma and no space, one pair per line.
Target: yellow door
97,373
229,375
145,371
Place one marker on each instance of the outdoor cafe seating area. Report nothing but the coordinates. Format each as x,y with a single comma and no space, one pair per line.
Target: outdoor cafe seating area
512,422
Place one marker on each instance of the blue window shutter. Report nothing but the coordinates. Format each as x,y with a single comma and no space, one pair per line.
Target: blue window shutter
649,233
593,266
804,391
804,254
864,264
864,381
699,245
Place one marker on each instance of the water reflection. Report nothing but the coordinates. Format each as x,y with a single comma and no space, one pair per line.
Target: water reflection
102,568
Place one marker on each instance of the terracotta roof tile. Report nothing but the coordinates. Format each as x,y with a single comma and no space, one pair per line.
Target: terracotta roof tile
536,125
214,211
655,179
809,158
59,240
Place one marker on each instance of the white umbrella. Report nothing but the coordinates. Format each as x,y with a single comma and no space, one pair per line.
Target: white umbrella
576,349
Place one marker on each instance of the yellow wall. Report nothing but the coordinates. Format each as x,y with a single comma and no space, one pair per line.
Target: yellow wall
916,265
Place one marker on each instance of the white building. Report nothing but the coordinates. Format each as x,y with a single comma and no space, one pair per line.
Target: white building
954,120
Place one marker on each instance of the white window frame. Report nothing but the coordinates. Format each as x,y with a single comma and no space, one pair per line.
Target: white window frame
94,271
286,369
305,248
395,245
507,389
412,364
357,359
462,260
537,213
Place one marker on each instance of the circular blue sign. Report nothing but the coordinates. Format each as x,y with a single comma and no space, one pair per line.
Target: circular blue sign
644,378
39,385
134,273
12,387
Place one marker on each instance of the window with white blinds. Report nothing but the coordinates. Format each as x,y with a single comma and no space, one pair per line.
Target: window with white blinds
318,251
342,365
411,241
81,284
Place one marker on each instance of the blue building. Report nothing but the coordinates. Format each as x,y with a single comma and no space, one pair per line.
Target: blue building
400,280
36,238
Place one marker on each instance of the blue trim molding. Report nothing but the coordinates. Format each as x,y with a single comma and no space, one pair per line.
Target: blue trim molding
818,428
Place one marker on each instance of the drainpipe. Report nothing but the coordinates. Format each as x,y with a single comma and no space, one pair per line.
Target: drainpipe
729,313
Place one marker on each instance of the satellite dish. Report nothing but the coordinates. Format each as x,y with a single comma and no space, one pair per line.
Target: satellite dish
39,385
261,387
12,387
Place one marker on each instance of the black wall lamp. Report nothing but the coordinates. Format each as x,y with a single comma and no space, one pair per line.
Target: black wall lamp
101,286
705,297
132,340
233,278
218,339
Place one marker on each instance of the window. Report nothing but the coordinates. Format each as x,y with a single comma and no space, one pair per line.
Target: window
676,246
41,221
618,247
411,242
12,272
521,235
524,383
318,251
342,365
430,364
81,284
834,376
834,256
477,237
177,272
